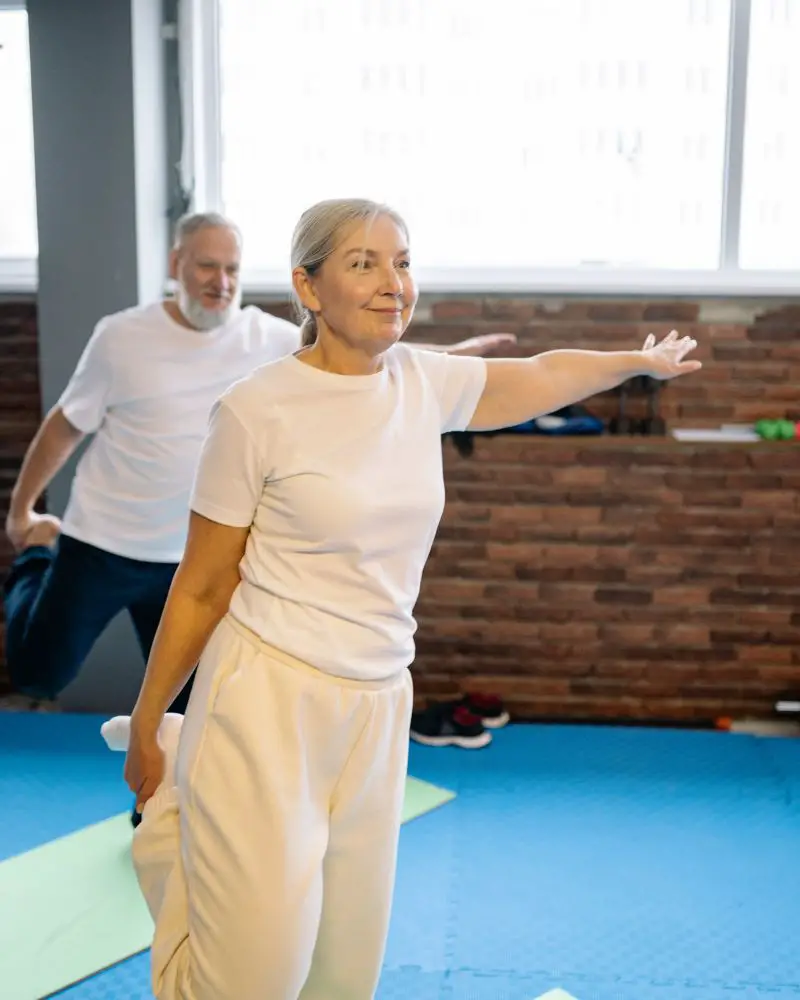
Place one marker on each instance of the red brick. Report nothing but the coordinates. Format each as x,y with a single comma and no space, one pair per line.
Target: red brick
771,499
771,334
456,309
571,517
516,310
627,634
749,411
623,595
778,675
689,635
766,654
561,310
579,476
672,312
736,596
753,481
616,311
687,597
787,579
785,352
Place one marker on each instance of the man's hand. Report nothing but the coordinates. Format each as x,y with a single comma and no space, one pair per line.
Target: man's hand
479,347
30,528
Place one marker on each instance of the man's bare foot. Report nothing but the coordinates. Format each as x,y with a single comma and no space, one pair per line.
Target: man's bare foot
44,531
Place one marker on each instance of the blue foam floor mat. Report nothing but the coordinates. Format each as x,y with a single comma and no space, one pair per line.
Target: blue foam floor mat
614,864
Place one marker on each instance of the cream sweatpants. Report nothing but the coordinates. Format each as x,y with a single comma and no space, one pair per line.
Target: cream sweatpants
267,855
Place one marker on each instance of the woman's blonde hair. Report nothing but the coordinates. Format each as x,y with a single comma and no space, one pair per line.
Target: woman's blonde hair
317,235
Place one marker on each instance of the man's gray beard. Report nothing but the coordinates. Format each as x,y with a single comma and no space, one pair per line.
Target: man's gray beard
207,319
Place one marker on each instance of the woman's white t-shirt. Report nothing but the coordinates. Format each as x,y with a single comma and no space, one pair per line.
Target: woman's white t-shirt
340,477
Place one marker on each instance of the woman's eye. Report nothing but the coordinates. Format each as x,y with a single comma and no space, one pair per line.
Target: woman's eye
359,265
405,264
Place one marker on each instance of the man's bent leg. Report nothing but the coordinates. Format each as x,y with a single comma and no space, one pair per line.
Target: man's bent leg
57,603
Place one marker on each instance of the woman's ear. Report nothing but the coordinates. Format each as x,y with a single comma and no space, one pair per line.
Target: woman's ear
303,285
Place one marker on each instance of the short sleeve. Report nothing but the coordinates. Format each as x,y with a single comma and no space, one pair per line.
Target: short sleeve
276,337
86,398
229,478
458,383
285,335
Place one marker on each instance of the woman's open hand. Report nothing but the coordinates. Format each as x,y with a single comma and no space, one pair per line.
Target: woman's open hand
665,360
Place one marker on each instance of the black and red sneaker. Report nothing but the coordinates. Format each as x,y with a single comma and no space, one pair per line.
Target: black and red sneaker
489,709
449,725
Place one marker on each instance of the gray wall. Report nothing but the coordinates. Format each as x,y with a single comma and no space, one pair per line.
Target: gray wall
99,108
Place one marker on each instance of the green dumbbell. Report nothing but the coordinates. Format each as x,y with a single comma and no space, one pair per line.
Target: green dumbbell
776,430
767,429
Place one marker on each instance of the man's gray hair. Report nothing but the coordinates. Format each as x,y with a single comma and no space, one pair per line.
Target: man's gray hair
193,222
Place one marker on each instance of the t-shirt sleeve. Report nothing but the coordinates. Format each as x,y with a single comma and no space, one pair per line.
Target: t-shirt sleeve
229,479
458,383
86,397
289,334
279,336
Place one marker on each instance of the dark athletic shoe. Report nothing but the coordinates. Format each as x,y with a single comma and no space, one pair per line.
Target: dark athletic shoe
449,725
489,709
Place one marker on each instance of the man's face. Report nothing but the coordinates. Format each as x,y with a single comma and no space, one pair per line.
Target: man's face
206,268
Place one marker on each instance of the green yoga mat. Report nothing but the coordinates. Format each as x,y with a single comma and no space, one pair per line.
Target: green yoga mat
422,797
69,909
72,907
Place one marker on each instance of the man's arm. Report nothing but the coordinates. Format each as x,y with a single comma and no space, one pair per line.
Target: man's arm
474,347
53,444
79,411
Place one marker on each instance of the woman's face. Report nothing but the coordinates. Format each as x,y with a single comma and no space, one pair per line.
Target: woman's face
364,293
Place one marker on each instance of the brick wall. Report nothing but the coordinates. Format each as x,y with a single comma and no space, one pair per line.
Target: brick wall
624,578
19,409
611,578
595,578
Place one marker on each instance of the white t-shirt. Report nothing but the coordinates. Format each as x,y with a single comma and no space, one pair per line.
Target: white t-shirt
341,478
145,386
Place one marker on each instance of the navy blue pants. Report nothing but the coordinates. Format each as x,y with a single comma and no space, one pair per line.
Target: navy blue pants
58,602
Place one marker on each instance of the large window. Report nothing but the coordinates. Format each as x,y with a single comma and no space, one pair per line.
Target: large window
583,145
563,142
18,235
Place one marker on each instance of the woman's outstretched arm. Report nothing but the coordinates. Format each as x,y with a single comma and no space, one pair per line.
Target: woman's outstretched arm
517,390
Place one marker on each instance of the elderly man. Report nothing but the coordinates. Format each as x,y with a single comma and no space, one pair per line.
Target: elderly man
144,388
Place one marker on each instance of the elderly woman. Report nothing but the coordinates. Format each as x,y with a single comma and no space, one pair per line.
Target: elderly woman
268,842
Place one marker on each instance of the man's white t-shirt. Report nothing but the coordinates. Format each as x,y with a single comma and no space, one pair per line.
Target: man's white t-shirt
341,478
145,386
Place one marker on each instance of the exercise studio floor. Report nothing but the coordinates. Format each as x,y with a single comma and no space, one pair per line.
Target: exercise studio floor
594,863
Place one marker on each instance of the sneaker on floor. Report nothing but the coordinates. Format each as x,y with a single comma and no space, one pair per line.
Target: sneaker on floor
489,709
448,725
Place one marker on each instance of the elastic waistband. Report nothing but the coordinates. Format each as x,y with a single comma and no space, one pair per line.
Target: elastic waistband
250,637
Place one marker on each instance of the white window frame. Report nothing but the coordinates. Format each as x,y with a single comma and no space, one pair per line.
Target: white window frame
17,274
